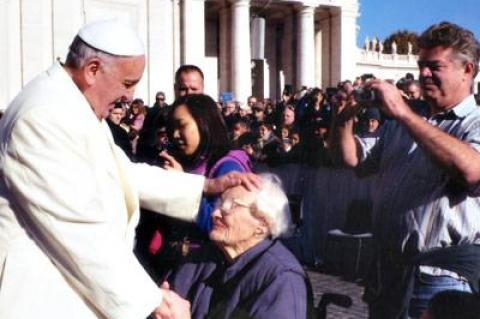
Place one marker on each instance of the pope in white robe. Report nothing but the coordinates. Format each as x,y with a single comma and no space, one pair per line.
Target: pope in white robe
69,205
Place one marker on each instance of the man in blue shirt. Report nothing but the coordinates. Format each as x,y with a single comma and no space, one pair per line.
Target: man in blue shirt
428,166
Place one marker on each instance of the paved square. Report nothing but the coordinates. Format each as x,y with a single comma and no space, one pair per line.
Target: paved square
324,283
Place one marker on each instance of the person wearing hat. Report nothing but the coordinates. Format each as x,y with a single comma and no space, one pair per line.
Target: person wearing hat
371,121
369,127
69,197
245,112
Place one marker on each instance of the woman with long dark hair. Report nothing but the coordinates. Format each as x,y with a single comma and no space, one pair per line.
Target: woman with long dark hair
198,143
198,135
201,145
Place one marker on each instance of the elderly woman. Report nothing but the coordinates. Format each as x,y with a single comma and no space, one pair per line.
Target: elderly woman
246,273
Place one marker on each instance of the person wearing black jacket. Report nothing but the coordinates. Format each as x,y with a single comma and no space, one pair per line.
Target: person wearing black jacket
120,135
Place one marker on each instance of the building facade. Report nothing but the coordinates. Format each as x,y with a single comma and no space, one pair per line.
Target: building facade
243,46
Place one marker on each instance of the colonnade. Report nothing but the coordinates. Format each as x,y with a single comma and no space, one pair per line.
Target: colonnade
307,42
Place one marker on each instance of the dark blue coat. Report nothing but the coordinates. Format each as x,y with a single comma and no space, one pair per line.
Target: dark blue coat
265,282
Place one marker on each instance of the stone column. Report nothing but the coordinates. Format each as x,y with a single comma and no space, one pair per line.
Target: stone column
305,46
271,79
177,54
318,58
258,38
193,28
160,49
37,38
241,60
11,52
326,50
224,54
349,47
287,50
67,18
344,44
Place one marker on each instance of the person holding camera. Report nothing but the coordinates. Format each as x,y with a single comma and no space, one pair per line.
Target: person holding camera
428,166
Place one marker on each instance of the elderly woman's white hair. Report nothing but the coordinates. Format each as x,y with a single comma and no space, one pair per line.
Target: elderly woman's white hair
272,203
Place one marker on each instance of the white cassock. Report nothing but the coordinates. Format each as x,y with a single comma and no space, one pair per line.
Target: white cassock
69,205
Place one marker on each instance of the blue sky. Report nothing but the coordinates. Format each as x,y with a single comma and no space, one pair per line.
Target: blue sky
383,17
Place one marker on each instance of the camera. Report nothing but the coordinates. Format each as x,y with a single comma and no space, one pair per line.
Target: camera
365,97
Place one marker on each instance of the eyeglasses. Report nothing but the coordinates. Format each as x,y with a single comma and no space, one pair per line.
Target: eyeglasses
228,206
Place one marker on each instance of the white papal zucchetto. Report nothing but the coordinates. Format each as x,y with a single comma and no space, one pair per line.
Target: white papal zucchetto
112,36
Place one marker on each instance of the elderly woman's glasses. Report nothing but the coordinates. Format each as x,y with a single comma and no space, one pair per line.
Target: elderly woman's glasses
230,205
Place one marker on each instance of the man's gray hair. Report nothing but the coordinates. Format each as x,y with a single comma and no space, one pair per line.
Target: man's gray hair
80,53
449,35
272,204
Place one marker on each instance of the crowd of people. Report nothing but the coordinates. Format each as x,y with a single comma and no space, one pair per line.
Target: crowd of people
292,130
70,199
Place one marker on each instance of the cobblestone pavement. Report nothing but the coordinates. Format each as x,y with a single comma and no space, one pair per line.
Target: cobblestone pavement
324,283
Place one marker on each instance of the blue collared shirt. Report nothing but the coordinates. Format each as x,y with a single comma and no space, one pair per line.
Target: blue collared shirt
415,196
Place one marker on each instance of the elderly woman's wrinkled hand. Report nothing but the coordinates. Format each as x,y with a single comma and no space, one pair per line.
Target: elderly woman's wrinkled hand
232,179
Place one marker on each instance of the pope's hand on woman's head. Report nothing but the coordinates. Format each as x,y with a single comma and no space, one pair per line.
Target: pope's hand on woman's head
232,179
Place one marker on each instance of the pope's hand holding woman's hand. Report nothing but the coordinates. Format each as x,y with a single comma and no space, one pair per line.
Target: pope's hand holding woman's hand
173,306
